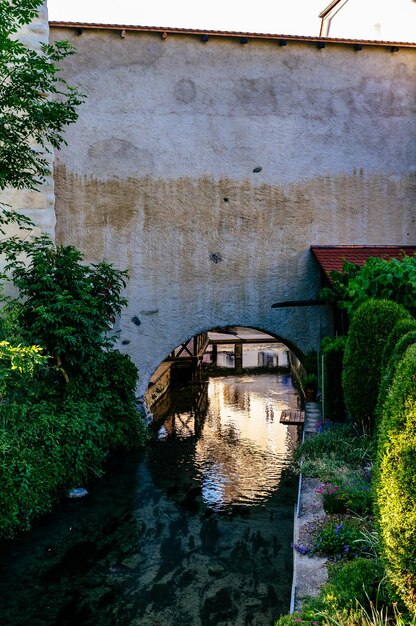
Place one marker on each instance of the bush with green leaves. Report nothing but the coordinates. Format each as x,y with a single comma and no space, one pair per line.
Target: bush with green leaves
359,580
45,447
339,539
66,398
371,324
395,480
401,328
356,594
397,354
334,498
379,279
333,350
64,304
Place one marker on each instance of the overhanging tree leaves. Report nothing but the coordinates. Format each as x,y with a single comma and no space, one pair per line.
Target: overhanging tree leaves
64,305
381,279
35,102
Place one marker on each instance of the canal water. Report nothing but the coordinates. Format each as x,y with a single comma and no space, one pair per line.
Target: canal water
193,531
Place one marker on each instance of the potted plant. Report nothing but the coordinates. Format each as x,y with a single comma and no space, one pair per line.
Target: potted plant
309,384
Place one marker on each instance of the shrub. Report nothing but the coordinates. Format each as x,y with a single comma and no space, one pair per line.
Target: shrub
395,481
395,357
359,580
391,279
370,326
45,447
351,493
360,493
338,540
68,399
334,498
333,349
401,328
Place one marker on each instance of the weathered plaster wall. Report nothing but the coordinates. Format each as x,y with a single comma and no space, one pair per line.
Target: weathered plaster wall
38,205
158,175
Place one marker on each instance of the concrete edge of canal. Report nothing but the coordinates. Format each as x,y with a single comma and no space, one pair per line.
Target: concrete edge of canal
309,573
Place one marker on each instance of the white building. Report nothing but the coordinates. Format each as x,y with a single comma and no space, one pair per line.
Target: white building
386,20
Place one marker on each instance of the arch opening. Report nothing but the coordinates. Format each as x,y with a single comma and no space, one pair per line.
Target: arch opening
220,349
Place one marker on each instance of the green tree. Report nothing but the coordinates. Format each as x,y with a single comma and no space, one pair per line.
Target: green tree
35,102
380,279
64,305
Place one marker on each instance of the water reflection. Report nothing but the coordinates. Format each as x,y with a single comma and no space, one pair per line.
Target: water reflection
240,447
254,356
194,530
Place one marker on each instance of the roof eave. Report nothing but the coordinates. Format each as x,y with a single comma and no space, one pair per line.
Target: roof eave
220,33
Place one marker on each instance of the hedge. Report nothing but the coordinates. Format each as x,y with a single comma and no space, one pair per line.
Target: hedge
396,356
333,349
371,324
395,480
401,328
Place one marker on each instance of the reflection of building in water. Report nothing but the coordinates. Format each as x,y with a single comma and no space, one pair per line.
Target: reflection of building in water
243,448
254,355
267,358
235,396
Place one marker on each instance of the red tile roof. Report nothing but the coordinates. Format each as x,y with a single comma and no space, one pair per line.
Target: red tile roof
224,33
332,257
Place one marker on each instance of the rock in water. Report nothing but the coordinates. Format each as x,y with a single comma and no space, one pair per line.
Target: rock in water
79,492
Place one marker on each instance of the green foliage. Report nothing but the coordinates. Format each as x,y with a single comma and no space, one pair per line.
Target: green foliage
337,293
371,325
18,362
338,445
310,362
66,398
348,491
356,594
403,343
45,447
68,306
339,540
48,445
395,480
35,102
360,493
377,279
334,498
333,349
111,385
359,580
401,328
309,381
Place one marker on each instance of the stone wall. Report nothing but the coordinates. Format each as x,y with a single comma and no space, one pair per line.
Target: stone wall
209,169
38,205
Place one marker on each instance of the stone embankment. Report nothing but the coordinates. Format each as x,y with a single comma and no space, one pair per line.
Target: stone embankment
309,573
